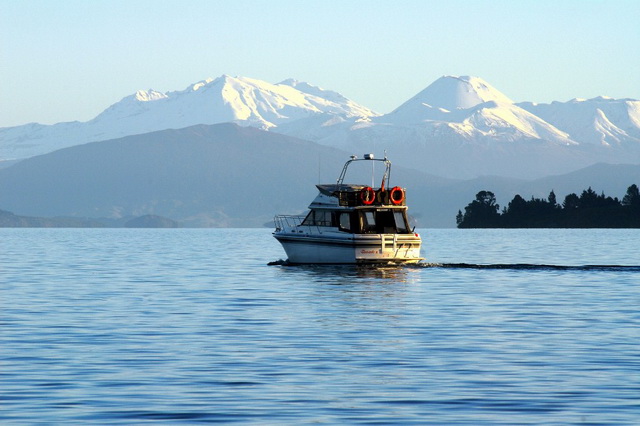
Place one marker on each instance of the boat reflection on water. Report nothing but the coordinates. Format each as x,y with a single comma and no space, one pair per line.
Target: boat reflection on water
350,274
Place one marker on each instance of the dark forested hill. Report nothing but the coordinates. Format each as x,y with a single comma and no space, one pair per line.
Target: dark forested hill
226,175
206,175
589,210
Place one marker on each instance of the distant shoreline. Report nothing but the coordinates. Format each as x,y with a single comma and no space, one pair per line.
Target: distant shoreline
11,220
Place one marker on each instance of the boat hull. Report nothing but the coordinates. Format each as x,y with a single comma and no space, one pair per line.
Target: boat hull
350,249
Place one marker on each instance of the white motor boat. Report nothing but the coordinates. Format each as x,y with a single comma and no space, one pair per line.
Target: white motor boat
352,224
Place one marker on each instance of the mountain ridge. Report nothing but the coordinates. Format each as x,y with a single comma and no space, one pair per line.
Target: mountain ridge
241,100
225,175
457,127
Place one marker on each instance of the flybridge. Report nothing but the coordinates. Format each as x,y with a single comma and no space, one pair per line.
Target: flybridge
367,157
360,195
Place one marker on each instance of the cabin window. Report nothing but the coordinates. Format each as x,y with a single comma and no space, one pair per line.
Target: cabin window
345,221
323,218
370,219
310,219
368,222
401,224
383,221
318,218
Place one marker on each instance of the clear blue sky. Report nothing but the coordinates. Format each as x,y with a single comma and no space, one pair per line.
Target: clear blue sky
69,60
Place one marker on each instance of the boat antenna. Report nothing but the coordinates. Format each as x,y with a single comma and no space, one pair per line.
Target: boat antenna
384,175
373,172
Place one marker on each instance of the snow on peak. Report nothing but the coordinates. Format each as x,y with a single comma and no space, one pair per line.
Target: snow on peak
148,95
453,106
599,121
246,101
292,82
305,87
200,84
329,95
452,92
472,108
449,98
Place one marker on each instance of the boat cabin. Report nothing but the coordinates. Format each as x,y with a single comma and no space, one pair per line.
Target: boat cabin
359,210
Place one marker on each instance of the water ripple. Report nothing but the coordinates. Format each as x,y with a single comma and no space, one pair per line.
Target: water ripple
189,326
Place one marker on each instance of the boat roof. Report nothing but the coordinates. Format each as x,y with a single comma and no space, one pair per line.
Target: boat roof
346,195
330,189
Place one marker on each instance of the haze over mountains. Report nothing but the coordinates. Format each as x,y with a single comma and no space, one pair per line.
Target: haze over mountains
204,175
225,175
168,153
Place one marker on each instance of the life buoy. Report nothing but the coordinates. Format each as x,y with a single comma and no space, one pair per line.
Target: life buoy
396,195
367,195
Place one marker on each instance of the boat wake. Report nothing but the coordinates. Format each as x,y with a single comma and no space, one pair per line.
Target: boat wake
504,266
531,266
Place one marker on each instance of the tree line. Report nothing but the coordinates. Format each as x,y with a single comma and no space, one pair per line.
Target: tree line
589,210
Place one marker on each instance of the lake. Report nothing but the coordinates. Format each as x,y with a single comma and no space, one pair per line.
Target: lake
192,325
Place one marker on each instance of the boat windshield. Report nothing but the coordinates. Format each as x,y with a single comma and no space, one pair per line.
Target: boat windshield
365,221
318,218
383,221
341,220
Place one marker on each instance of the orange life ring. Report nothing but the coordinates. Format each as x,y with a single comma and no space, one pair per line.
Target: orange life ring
396,195
367,195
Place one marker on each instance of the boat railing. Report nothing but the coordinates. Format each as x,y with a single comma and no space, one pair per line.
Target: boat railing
367,157
283,221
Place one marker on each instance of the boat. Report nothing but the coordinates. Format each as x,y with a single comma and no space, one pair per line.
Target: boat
352,224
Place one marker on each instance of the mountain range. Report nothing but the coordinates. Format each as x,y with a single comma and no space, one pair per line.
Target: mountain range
235,151
225,175
244,101
457,127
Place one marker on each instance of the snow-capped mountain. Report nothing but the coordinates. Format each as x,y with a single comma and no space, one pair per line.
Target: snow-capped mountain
241,100
451,93
475,110
456,127
452,110
599,121
245,101
464,127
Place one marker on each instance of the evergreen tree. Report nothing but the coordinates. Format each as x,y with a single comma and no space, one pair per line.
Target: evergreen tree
481,213
515,212
632,197
631,206
588,199
571,202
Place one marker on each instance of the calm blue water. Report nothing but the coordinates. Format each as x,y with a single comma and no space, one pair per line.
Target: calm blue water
181,326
